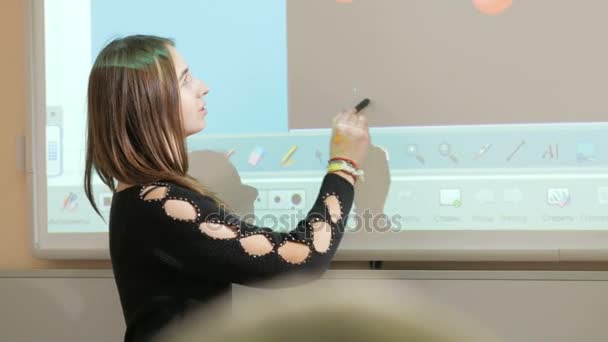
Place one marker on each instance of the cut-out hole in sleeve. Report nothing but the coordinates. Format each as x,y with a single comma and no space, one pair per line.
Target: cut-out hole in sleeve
180,210
218,230
154,192
294,252
322,236
256,245
335,211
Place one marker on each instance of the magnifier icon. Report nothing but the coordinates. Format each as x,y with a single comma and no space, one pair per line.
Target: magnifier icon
412,150
445,150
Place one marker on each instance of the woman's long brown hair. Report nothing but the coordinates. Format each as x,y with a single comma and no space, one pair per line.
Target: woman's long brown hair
135,133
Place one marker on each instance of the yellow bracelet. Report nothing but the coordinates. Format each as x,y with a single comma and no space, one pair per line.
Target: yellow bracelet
340,165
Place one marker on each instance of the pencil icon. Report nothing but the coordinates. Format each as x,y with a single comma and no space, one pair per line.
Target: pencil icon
287,160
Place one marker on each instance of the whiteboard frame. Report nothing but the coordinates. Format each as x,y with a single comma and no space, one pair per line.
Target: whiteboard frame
463,245
45,245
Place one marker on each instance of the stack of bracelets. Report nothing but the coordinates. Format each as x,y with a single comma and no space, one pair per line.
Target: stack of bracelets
346,165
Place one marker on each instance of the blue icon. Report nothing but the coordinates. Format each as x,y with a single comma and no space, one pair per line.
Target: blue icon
585,151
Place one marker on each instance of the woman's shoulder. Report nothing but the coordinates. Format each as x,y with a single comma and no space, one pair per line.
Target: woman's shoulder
162,191
144,187
165,203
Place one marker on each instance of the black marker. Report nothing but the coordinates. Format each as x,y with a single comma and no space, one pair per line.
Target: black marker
362,105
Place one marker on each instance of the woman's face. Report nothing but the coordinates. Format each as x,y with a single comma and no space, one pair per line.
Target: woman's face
191,93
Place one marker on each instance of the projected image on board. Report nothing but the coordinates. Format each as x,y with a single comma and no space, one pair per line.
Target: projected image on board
448,63
485,115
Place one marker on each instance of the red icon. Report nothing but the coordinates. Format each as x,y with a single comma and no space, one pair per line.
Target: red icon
492,7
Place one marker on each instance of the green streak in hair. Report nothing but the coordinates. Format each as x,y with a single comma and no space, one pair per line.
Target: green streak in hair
138,60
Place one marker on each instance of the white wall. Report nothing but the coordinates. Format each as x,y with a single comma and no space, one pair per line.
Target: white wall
63,305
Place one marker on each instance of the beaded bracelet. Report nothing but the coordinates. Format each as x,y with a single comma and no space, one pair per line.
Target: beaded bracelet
341,165
352,162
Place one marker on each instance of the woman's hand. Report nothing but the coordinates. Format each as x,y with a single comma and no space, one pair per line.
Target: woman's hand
350,136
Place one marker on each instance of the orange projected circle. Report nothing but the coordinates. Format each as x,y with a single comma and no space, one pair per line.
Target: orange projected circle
492,7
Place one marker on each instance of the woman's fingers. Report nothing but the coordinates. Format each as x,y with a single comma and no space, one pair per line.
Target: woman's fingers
362,120
339,117
352,119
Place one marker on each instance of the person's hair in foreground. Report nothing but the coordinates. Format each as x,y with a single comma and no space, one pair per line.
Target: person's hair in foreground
135,132
335,310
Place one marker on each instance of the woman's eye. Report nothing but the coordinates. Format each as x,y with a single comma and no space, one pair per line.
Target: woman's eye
188,78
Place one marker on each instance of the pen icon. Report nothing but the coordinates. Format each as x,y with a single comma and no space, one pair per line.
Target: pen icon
482,151
287,159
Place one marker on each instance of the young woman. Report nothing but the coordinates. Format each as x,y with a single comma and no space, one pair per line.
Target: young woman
173,245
